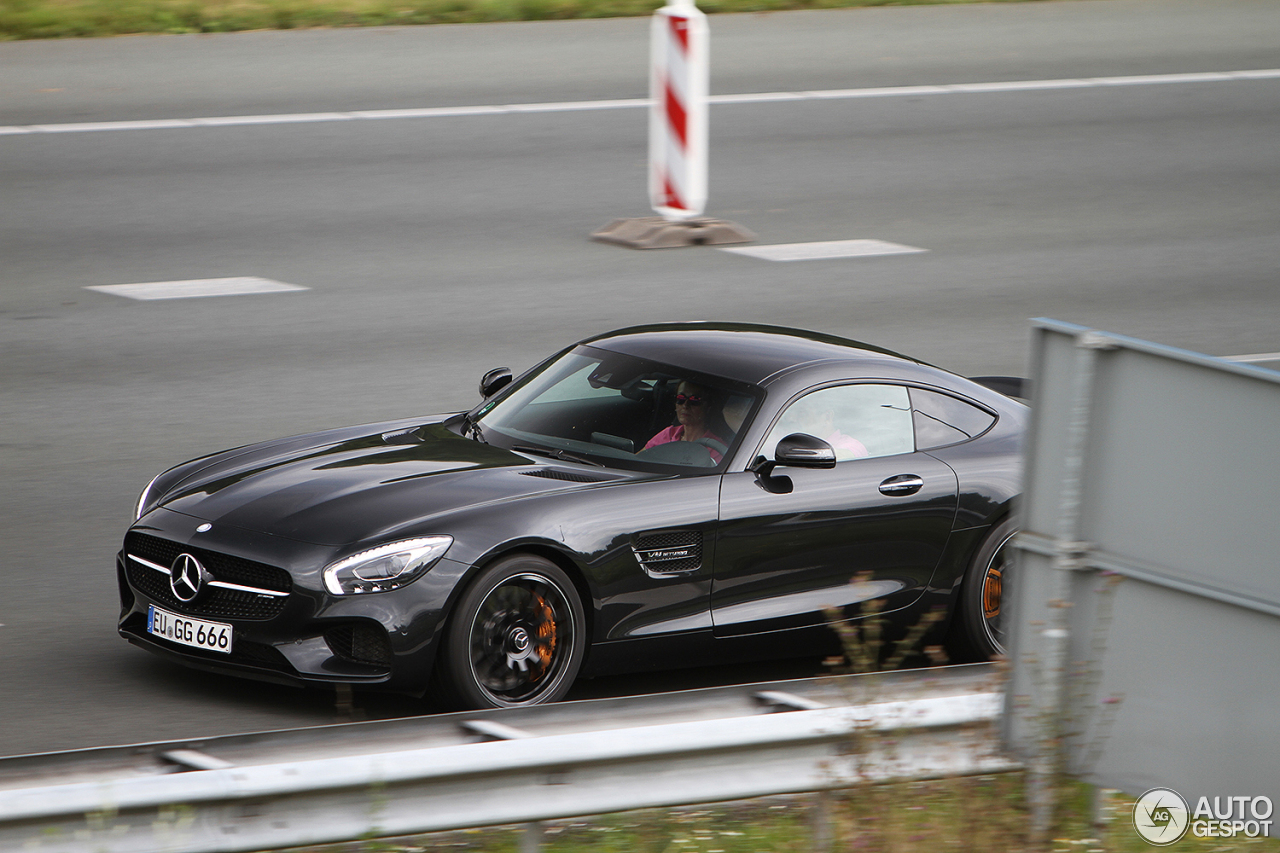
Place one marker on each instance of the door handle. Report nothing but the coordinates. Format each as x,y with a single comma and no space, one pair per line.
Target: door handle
901,485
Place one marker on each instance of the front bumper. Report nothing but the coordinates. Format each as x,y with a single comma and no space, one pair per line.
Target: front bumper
291,631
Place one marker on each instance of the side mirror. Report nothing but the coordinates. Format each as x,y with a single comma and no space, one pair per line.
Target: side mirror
799,450
494,381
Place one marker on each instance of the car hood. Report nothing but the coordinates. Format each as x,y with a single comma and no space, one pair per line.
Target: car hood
363,487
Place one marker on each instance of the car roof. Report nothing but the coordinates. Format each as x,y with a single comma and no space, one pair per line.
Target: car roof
740,351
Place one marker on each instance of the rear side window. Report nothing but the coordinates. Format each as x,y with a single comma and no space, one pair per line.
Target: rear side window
858,421
941,419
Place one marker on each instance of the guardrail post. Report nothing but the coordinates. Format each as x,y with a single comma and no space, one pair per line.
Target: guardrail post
820,820
531,837
1043,773
1100,809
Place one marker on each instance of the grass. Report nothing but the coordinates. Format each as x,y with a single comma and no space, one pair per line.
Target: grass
981,814
36,19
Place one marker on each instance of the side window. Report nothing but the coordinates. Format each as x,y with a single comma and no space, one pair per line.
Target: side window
941,419
857,420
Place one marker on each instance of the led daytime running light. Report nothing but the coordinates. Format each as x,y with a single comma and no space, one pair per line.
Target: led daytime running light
142,498
385,567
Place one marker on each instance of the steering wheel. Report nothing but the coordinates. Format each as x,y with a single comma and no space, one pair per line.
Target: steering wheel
691,453
712,444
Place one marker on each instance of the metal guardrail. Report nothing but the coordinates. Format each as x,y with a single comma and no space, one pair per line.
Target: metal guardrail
560,761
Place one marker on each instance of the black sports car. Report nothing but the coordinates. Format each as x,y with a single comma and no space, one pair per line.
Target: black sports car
650,498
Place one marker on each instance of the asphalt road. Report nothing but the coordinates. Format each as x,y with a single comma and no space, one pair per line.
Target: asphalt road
436,248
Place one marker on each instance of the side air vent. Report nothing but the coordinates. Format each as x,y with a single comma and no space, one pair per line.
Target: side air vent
553,474
669,552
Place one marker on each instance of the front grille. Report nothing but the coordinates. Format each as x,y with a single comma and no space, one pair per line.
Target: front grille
669,551
360,643
213,601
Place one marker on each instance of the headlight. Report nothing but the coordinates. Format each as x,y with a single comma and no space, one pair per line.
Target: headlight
142,498
385,567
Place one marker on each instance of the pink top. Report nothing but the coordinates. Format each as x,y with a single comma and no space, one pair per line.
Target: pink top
840,441
676,433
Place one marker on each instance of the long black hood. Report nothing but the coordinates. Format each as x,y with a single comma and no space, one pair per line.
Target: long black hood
359,488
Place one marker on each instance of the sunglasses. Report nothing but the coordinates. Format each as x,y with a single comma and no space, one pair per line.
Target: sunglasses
687,400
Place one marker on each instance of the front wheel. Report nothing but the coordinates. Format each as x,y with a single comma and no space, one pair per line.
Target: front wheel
516,638
979,629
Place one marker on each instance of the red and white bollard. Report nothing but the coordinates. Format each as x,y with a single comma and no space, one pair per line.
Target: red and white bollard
678,80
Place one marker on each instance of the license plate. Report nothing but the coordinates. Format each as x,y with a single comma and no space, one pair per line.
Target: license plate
214,636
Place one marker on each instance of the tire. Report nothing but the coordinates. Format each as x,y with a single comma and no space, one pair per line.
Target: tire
516,638
978,630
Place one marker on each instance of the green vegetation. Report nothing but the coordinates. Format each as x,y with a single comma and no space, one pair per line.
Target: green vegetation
980,814
32,19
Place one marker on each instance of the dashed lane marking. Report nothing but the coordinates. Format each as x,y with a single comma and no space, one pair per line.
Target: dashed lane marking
195,288
635,103
824,250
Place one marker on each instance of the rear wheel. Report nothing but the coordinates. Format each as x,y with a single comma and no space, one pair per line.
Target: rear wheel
516,638
979,628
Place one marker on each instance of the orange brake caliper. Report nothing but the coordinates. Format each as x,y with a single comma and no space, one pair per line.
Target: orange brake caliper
991,585
546,634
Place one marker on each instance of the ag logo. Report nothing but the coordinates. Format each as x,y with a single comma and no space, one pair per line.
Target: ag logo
1161,816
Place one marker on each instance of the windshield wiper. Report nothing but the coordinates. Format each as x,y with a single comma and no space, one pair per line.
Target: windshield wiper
562,455
471,429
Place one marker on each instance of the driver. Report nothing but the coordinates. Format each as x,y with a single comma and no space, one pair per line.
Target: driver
693,402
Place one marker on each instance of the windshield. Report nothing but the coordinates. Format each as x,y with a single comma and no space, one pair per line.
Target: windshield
617,410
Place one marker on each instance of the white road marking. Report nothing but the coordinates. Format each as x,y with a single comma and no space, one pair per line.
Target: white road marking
824,250
1255,357
636,103
196,288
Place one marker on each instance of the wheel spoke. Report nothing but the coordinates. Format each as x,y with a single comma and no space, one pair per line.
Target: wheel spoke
519,638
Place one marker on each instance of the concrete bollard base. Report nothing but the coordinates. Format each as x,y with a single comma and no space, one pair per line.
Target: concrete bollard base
655,232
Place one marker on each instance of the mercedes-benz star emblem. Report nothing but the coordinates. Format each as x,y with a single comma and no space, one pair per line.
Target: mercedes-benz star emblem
186,577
